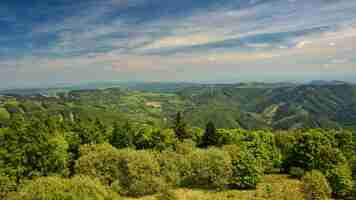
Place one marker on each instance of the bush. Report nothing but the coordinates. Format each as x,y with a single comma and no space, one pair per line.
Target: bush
316,186
53,188
313,150
140,173
185,147
247,170
100,161
208,169
7,185
263,147
296,172
340,179
173,167
30,150
167,194
130,172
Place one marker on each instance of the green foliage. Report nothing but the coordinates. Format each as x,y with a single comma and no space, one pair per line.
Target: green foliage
247,169
122,136
316,186
180,128
100,161
4,116
210,136
209,168
345,143
340,179
167,194
135,173
140,173
313,150
90,132
185,147
7,186
54,188
30,149
262,145
296,172
173,167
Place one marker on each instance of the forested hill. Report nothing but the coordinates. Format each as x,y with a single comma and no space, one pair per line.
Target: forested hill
245,105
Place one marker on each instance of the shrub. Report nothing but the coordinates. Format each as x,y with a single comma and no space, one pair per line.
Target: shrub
316,186
185,147
263,146
167,194
247,170
7,185
130,172
53,188
173,167
209,168
100,161
140,173
30,150
296,172
340,179
313,150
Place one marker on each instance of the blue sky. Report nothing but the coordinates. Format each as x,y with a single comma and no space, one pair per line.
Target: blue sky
65,41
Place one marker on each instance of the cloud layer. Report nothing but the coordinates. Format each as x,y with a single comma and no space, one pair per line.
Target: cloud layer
167,40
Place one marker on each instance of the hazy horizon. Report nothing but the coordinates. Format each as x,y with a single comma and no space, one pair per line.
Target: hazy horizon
43,44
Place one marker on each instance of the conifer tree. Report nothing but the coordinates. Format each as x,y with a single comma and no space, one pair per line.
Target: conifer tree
210,136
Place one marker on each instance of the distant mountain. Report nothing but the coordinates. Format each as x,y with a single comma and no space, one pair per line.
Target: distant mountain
247,105
322,82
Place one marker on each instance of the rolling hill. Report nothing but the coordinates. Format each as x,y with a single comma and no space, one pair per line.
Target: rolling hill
245,105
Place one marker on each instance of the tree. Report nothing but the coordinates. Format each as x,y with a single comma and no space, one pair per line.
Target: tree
122,136
247,169
28,150
208,168
210,136
180,127
316,186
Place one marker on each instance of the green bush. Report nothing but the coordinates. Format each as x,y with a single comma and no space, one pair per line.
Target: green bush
54,188
316,186
313,150
7,185
140,173
130,172
173,167
296,172
30,150
100,161
209,168
340,179
263,146
247,170
167,194
185,147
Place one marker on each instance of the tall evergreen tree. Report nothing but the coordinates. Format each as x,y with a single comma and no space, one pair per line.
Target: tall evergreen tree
210,136
122,136
180,127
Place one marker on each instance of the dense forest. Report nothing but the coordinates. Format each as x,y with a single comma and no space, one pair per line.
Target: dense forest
123,143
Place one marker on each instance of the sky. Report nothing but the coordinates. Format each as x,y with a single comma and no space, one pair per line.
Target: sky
64,41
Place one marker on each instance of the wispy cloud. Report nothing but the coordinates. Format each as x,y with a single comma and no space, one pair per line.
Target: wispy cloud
125,37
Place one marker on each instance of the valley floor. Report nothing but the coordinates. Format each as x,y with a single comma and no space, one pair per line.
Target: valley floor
274,187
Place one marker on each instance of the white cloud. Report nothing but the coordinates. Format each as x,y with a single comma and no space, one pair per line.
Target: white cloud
302,44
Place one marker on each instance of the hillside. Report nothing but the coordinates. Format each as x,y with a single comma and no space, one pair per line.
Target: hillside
249,105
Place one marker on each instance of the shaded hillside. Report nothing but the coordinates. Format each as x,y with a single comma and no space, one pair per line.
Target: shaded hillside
249,106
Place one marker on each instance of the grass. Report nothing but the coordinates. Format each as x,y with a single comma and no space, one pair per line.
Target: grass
275,186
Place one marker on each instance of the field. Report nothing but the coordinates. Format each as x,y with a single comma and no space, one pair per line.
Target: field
275,186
